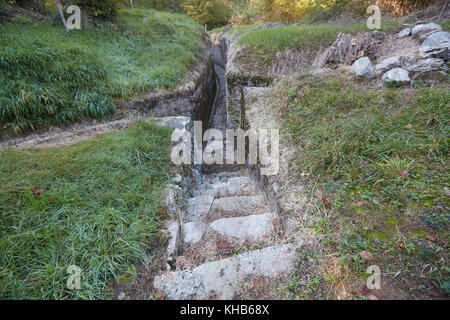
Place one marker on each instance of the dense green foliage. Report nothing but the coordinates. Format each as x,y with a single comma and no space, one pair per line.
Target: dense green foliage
48,76
89,205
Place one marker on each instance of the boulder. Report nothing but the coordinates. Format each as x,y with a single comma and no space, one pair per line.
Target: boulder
397,75
421,31
436,45
363,68
386,65
404,33
406,61
428,69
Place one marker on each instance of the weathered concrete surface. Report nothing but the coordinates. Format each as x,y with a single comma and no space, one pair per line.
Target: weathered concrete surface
252,228
239,204
193,231
172,195
221,278
174,238
198,207
238,186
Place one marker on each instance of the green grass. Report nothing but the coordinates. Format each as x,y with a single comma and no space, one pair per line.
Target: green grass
298,37
380,156
48,76
94,204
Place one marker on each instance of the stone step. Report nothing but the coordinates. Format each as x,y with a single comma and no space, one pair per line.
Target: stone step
237,186
197,208
221,279
220,176
252,228
238,206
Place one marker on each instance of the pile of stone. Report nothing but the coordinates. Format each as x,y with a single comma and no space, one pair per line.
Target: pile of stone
430,62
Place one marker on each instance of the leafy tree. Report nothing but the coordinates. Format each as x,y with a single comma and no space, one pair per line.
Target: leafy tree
210,12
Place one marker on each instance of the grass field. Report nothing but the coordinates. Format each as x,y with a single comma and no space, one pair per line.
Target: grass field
380,159
50,77
94,204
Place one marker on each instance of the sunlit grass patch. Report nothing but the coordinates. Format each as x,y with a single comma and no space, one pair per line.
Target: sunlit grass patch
51,77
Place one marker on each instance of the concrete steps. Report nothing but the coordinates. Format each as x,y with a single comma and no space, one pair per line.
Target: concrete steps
229,213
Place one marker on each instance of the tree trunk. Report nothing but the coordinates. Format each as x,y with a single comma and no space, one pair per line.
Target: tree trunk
61,13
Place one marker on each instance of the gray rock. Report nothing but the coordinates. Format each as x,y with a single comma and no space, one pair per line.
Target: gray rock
221,279
215,190
406,61
174,238
193,231
363,68
396,75
240,186
404,33
436,45
177,179
425,29
198,207
386,65
177,122
239,204
430,68
172,195
252,228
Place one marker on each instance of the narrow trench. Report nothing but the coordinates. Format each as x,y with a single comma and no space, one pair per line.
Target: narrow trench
219,116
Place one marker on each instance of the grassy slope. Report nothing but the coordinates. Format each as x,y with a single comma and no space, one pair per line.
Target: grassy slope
50,77
297,37
94,205
380,156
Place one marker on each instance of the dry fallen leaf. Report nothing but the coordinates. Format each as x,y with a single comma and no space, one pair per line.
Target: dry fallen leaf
365,291
446,191
255,284
159,296
223,245
401,245
366,255
431,237
404,174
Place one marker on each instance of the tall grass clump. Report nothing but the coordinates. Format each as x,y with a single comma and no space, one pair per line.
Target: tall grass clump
51,77
46,85
94,205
